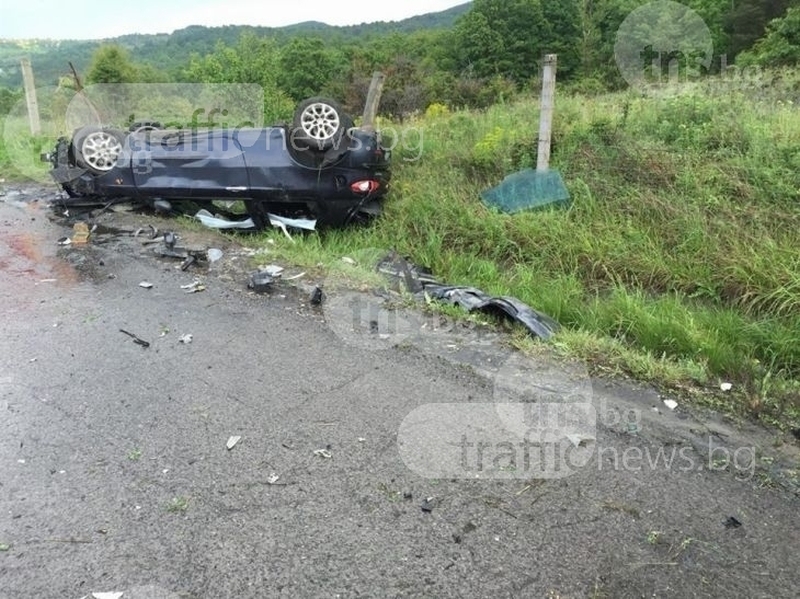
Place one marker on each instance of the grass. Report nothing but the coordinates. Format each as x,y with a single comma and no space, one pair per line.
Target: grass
676,261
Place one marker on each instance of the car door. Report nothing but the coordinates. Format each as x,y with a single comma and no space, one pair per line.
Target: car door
189,164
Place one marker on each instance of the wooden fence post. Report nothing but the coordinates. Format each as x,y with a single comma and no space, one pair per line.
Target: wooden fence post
546,112
30,97
373,100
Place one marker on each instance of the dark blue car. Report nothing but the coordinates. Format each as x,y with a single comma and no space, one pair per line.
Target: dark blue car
320,167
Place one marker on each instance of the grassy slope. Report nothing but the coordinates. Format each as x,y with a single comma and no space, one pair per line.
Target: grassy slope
678,258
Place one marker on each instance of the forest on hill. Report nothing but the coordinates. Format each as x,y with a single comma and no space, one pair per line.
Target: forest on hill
472,55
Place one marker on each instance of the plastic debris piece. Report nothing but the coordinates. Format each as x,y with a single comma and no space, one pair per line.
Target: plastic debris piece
214,254
261,282
671,403
273,478
136,340
113,595
726,386
428,505
4,546
64,241
186,339
317,296
732,523
323,453
295,277
298,223
214,222
348,260
146,285
194,287
232,441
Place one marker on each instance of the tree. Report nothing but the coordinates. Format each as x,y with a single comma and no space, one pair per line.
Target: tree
780,46
253,60
748,19
508,38
111,64
306,66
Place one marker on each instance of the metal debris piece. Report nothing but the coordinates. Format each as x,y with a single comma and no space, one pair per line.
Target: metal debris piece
186,339
232,442
136,340
146,285
323,453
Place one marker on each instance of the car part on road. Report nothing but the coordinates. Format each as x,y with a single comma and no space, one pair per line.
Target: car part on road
137,340
420,281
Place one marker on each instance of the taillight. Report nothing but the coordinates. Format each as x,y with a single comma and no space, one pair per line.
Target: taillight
366,186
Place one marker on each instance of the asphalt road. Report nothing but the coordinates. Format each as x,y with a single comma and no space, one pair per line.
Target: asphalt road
115,475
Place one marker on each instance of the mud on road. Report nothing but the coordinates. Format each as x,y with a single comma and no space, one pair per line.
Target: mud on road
365,467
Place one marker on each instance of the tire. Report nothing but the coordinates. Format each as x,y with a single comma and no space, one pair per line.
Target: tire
142,126
319,122
97,148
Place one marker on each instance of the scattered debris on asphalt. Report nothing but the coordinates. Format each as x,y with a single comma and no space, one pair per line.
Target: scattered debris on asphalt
80,233
193,287
146,285
732,523
428,505
136,340
232,441
317,296
186,339
419,280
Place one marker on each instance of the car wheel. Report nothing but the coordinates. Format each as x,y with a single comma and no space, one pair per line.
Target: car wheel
97,149
319,122
143,126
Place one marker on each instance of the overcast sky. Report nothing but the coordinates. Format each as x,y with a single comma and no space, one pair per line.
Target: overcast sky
94,19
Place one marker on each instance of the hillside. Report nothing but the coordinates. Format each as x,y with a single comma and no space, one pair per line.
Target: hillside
50,58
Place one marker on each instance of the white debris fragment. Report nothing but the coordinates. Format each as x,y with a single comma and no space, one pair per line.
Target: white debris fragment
295,277
20,461
348,260
726,386
671,403
194,287
233,441
114,595
146,285
215,222
323,453
186,339
273,478
214,254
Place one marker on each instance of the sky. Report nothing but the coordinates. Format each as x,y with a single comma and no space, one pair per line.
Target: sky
94,19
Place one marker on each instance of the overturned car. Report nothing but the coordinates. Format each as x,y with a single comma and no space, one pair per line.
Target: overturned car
319,168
